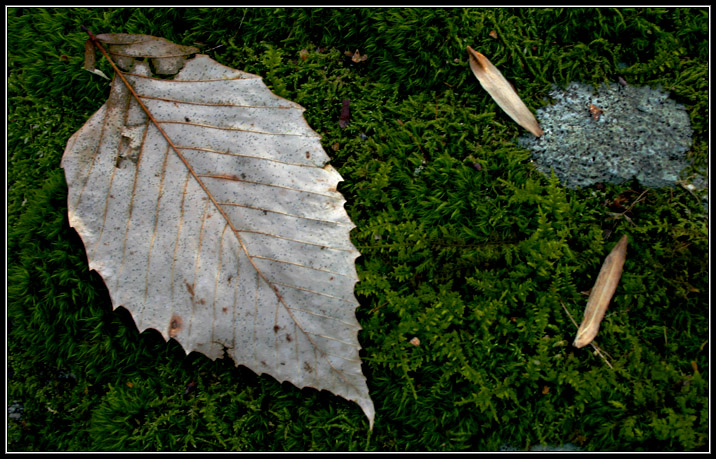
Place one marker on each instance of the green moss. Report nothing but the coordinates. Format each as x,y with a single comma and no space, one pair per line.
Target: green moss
464,244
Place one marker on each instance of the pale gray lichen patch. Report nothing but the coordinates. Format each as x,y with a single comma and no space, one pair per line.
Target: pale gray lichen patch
631,132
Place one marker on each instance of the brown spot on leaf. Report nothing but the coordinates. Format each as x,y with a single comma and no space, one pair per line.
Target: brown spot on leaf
307,367
224,309
202,301
276,328
190,289
308,155
288,338
175,326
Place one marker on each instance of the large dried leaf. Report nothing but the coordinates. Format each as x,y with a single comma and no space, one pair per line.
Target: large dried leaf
213,218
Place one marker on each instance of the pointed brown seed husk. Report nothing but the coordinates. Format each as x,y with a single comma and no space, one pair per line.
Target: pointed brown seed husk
501,91
89,55
602,293
90,59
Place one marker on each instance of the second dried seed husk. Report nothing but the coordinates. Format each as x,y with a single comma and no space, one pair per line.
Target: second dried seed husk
601,294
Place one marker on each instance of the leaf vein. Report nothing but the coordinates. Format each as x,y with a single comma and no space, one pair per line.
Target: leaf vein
324,316
284,213
312,166
236,179
238,77
209,126
330,338
314,292
326,247
205,104
300,265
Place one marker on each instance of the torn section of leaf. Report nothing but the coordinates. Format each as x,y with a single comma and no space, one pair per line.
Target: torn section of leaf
502,92
166,57
601,294
210,213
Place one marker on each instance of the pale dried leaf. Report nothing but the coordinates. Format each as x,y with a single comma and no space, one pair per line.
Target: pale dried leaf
216,220
502,92
602,293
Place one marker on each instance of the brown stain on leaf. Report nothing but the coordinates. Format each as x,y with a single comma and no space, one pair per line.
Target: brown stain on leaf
190,289
176,324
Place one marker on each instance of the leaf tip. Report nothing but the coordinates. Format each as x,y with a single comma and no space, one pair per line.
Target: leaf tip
476,58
